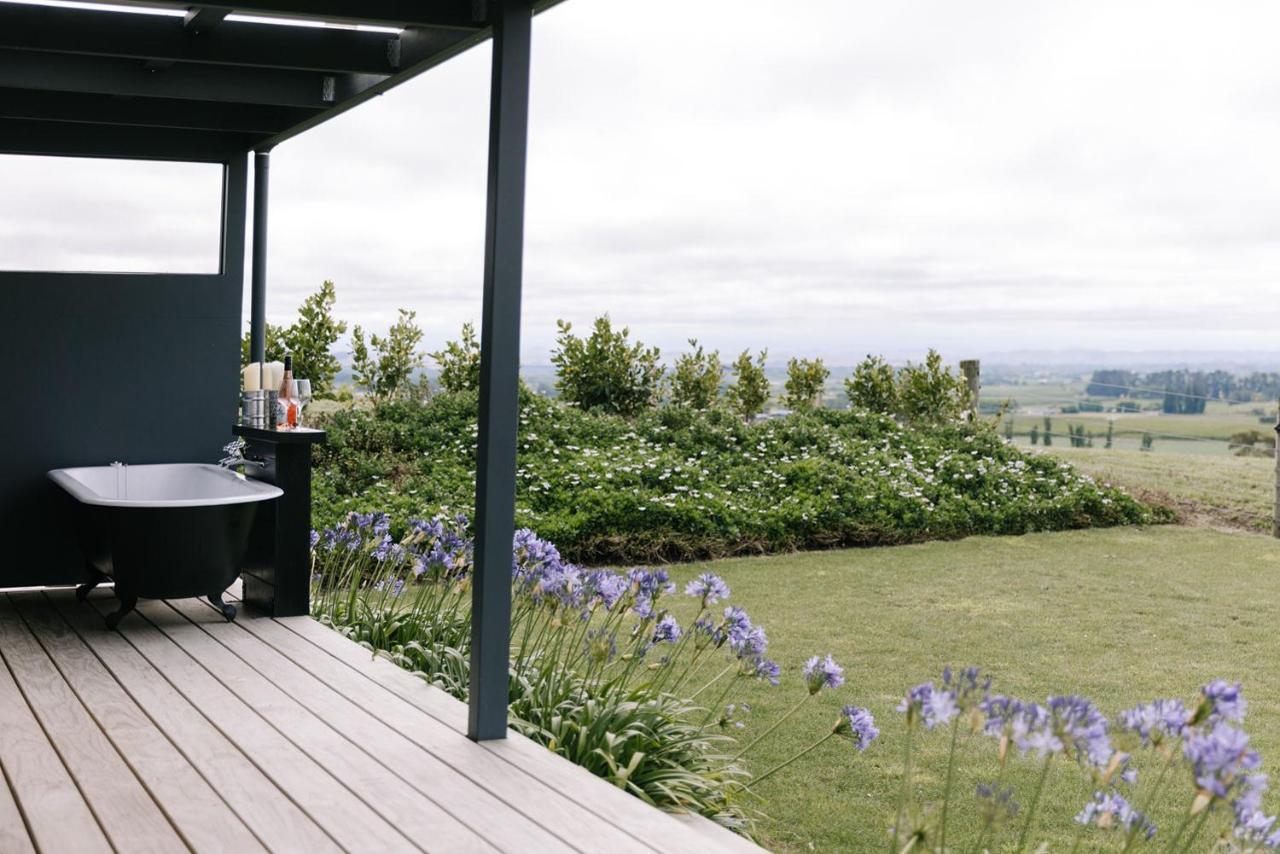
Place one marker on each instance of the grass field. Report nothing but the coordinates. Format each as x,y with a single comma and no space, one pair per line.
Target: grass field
1121,616
1222,490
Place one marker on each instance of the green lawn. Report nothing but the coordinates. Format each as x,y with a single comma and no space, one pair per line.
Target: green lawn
1121,616
1226,490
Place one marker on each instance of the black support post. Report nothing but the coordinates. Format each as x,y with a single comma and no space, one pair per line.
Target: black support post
499,371
258,299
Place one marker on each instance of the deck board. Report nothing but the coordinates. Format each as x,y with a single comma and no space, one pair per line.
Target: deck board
124,808
184,732
347,819
380,711
55,814
274,819
346,755
524,754
196,811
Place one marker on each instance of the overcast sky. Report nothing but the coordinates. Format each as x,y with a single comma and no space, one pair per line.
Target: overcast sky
826,177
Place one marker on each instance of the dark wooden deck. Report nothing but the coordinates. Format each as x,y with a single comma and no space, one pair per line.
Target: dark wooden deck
183,732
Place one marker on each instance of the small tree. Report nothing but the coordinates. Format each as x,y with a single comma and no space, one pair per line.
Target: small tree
806,380
606,371
1034,435
749,392
873,386
1048,431
930,392
695,382
384,367
459,362
311,338
275,345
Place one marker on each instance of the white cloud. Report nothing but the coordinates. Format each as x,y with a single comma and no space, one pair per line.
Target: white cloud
827,177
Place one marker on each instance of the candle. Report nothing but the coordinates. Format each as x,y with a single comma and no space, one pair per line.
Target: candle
252,377
273,375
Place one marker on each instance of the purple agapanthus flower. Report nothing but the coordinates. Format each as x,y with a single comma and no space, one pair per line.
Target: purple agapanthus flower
1110,810
1225,701
1155,721
1220,758
606,588
1080,726
745,639
929,705
708,587
765,669
858,725
822,673
667,630
967,686
315,538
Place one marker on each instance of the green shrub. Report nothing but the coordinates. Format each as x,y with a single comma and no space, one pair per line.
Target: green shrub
459,362
695,382
385,371
930,393
806,380
748,394
606,371
674,484
873,386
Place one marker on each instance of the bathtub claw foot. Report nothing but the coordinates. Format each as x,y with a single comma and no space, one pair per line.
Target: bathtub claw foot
228,610
126,605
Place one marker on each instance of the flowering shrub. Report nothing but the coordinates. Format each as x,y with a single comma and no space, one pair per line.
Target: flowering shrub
1199,750
602,671
676,484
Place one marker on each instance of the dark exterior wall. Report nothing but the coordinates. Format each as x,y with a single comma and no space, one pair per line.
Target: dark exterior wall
103,367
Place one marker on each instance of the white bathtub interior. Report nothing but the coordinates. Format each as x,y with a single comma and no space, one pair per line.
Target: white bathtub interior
164,485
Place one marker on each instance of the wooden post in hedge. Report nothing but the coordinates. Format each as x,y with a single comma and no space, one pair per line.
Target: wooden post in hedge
970,369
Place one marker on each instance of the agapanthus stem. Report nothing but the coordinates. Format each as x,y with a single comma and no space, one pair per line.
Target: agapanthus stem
714,680
772,727
719,703
946,789
1035,802
1195,831
1182,827
1147,801
905,790
782,765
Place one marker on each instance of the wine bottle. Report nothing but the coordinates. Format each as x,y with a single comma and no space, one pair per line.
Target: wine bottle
288,406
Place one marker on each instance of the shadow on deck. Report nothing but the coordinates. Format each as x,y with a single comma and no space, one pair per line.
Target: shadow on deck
184,732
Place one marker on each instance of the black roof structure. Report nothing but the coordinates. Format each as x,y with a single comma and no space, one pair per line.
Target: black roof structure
162,79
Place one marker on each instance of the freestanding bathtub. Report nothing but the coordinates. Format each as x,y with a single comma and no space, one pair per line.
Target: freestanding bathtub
162,531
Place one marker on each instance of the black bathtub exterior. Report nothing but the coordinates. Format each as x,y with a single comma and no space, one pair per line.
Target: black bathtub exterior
164,552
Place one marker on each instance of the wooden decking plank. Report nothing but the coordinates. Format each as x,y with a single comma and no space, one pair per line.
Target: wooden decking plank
200,816
419,820
467,780
346,818
275,819
623,810
124,808
13,830
446,808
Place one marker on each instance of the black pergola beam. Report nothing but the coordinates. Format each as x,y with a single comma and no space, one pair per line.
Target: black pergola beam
164,39
257,119
18,136
451,14
130,78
